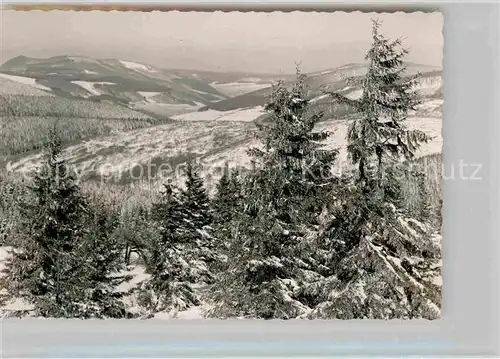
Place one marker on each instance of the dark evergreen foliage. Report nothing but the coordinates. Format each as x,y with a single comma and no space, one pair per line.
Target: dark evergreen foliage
380,134
195,199
54,266
198,219
102,251
224,199
369,237
268,254
167,258
286,239
226,205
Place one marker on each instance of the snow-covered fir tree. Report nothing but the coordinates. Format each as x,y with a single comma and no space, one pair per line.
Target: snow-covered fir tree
227,201
102,252
53,266
168,259
195,198
226,204
381,261
180,257
269,253
198,220
224,199
388,96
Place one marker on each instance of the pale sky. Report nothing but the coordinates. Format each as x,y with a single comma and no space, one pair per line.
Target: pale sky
235,41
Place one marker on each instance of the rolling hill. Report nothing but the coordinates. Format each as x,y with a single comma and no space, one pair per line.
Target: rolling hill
235,83
331,79
107,134
28,110
138,86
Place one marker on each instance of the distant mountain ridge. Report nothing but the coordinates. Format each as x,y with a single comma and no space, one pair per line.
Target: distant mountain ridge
165,92
330,79
123,113
126,82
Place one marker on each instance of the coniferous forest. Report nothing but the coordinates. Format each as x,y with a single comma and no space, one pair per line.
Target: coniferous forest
290,238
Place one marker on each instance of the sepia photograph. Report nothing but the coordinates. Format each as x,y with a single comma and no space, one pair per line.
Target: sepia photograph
221,165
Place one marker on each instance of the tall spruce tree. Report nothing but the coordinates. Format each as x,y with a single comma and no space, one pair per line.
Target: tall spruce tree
380,135
64,262
195,198
374,250
168,259
226,204
281,199
198,220
180,257
43,264
224,199
228,199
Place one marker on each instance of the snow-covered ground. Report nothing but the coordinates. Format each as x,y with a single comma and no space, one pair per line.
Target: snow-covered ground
165,109
355,95
25,80
239,115
215,138
138,275
432,108
139,147
11,305
136,66
324,72
318,98
238,88
90,86
429,85
192,313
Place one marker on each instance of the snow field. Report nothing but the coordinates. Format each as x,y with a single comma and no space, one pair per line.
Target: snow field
90,86
25,80
136,66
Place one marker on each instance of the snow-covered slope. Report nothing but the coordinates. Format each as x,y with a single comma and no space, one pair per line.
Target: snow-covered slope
10,84
91,86
240,115
117,80
233,89
214,136
214,141
137,67
135,271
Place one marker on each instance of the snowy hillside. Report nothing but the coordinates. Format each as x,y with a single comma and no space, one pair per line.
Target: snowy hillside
213,137
117,80
233,89
125,124
19,85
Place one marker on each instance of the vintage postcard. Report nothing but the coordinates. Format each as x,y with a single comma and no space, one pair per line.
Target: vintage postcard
254,165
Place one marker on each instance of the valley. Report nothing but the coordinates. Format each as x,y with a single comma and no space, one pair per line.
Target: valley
116,115
127,127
